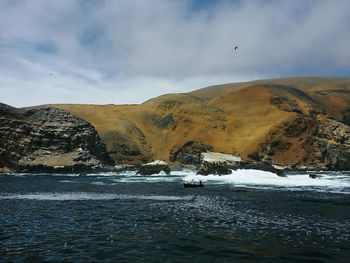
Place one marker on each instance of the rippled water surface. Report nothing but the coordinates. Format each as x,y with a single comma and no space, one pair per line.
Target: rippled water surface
249,216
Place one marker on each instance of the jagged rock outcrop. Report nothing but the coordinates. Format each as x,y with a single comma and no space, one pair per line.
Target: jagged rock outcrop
154,168
49,140
218,163
346,116
332,142
190,153
312,142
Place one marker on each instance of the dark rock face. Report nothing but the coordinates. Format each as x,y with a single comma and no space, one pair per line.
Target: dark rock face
280,145
190,153
128,145
346,116
333,142
325,143
299,126
49,139
120,148
164,122
285,104
214,168
314,176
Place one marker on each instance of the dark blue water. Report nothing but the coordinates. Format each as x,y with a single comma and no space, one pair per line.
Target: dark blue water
126,219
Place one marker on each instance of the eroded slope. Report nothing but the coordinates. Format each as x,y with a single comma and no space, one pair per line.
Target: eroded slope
285,121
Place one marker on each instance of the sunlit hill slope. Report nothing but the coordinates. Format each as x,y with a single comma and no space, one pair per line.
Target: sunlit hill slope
292,121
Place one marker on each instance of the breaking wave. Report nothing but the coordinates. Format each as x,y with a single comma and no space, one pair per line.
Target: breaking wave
262,179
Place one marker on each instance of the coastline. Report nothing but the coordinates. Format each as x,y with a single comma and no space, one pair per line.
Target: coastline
81,169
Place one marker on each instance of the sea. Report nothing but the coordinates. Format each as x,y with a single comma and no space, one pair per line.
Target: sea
248,216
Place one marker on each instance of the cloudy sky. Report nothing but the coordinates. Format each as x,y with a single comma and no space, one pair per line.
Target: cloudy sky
127,51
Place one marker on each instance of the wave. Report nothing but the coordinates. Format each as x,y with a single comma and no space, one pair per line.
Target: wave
75,196
259,179
184,172
110,174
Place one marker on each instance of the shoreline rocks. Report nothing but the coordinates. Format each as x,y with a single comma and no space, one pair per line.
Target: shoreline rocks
154,167
190,153
218,163
123,167
42,168
49,140
223,164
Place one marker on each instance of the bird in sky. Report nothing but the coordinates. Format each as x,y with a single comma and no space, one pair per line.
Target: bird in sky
236,47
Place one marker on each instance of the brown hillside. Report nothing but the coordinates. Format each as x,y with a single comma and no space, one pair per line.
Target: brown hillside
249,119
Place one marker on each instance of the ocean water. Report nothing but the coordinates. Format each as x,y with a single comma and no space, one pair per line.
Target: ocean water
249,216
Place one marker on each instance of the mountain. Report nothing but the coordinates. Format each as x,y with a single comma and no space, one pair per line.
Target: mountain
291,121
48,140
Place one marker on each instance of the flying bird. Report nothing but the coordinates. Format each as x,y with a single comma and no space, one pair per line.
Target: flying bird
236,47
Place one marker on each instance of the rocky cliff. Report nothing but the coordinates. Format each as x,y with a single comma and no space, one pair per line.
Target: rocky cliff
298,122
49,140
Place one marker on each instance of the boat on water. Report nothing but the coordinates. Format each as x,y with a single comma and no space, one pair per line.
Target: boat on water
193,183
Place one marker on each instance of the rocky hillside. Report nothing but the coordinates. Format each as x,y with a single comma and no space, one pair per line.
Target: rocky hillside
296,122
48,140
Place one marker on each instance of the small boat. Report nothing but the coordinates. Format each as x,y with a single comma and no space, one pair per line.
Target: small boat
193,183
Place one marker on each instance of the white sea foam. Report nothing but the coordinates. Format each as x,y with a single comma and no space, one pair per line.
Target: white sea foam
147,179
18,174
184,172
258,179
69,175
76,196
161,173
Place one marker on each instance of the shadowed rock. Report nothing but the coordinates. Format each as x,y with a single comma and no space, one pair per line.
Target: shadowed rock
190,153
49,140
218,163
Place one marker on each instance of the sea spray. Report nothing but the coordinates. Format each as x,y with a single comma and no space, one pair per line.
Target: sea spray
269,180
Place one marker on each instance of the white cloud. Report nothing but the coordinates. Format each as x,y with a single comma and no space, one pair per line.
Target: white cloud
128,51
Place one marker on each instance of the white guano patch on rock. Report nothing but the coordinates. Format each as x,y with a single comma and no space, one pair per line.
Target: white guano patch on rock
215,157
156,162
279,167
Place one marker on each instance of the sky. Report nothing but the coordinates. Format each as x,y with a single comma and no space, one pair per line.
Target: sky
128,51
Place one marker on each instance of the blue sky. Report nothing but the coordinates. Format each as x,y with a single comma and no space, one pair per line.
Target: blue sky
111,51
